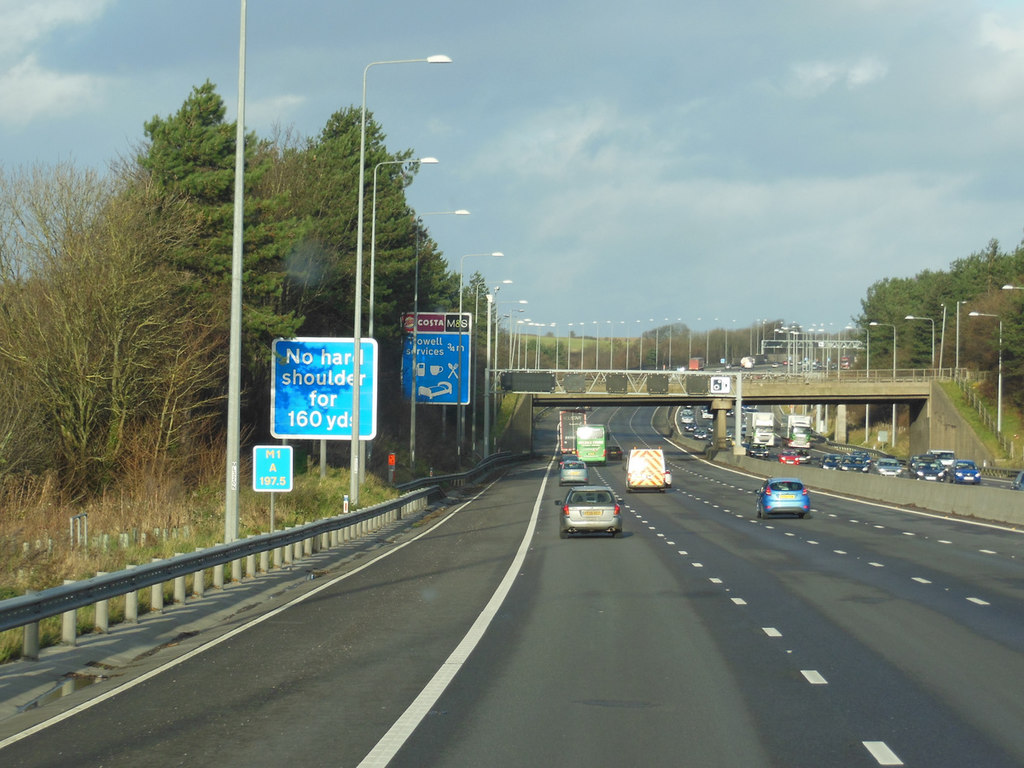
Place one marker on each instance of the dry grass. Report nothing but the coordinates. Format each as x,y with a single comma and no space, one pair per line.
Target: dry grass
154,516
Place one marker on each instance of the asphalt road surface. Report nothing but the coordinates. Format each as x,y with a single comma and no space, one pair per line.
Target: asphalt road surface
860,636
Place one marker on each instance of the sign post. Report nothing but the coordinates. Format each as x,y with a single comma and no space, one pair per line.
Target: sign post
272,472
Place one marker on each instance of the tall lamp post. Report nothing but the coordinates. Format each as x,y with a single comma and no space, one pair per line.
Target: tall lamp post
357,322
893,326
461,407
373,226
913,317
414,355
999,395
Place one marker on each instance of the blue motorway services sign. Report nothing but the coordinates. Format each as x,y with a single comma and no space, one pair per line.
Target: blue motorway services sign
311,388
437,374
272,468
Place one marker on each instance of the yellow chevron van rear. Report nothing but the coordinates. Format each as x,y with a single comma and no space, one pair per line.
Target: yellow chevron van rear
646,470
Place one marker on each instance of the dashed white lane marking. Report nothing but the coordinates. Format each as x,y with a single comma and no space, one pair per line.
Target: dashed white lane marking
987,551
698,565
945,541
683,552
920,580
715,580
977,601
882,754
814,677
876,565
909,533
738,601
771,631
839,551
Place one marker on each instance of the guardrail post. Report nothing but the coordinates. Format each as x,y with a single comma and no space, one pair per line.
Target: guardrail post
30,638
250,566
307,546
236,570
278,556
179,587
218,573
103,611
297,550
156,595
288,550
131,605
198,581
265,561
69,625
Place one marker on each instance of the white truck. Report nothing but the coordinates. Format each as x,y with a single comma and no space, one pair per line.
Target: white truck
798,431
761,428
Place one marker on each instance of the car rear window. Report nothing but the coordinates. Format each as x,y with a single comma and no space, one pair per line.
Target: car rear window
591,497
786,485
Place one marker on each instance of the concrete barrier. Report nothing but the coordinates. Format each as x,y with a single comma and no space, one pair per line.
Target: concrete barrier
977,502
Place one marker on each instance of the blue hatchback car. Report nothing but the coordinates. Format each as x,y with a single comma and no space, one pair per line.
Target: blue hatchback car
783,496
966,472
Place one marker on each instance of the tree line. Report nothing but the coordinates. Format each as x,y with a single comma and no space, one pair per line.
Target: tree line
115,288
115,291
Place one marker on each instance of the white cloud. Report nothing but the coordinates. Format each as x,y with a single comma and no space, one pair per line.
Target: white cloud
995,32
24,23
28,91
815,77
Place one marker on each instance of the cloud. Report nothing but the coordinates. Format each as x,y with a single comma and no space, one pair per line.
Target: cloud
814,78
995,32
24,23
28,91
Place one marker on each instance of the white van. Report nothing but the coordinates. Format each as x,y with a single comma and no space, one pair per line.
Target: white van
646,470
945,458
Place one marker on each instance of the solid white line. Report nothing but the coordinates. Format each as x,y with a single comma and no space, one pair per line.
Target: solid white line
228,635
882,754
397,735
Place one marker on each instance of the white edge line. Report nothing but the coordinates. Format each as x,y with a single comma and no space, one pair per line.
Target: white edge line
85,705
392,741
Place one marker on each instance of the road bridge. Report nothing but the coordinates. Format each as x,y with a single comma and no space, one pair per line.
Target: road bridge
724,389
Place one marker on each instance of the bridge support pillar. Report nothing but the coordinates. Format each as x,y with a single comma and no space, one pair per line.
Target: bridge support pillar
720,408
842,432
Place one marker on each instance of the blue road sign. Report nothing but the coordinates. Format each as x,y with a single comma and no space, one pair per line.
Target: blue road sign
272,468
311,388
437,376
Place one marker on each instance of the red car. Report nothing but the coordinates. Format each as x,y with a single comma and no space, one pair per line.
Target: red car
789,457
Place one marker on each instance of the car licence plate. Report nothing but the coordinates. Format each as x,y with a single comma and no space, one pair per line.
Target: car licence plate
593,512
787,496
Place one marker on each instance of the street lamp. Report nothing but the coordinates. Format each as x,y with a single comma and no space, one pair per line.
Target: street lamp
999,395
913,317
357,322
891,325
373,224
414,354
458,400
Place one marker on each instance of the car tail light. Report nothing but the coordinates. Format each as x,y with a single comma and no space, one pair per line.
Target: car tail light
804,491
616,510
565,510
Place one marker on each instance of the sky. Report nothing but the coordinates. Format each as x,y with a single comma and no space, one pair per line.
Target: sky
709,163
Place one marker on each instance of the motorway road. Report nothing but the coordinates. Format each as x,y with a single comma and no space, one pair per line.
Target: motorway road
860,636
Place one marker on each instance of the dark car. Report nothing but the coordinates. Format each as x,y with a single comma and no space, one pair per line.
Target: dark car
929,470
855,464
966,472
831,461
1018,482
783,495
613,453
759,451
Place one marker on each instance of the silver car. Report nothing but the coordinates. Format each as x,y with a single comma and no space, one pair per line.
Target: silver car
573,472
589,509
889,467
